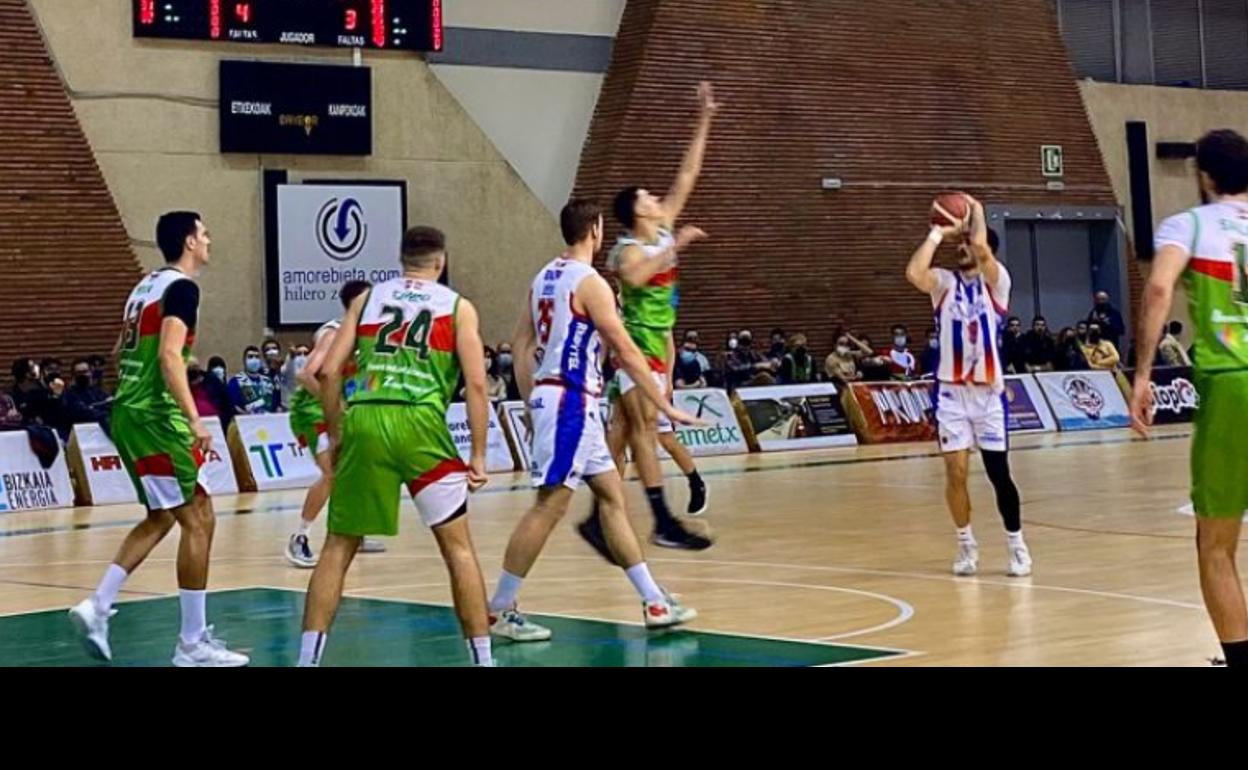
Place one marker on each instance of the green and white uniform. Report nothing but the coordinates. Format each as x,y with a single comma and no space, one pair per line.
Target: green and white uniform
1216,239
394,433
307,417
649,312
152,435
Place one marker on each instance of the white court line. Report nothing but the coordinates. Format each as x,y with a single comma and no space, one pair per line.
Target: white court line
1021,584
904,610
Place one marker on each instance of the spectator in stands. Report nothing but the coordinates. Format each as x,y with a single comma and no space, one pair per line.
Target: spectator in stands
724,357
841,365
85,402
216,384
1171,351
692,367
51,368
273,364
746,366
29,393
929,359
1112,326
495,385
798,365
252,391
1039,348
201,391
1100,352
10,415
1069,355
902,363
507,370
1081,331
1012,346
778,348
98,366
874,367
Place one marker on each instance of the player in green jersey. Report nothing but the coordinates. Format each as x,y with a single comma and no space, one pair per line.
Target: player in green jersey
403,346
645,261
162,442
1207,247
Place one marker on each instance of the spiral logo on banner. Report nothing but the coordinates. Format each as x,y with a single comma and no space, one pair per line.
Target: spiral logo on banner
340,229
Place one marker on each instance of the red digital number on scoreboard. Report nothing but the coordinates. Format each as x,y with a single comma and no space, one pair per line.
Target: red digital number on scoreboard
147,12
352,20
242,12
379,23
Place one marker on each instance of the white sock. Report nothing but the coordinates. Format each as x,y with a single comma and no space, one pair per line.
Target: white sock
480,652
1015,538
106,592
639,576
194,615
966,536
304,527
506,592
311,647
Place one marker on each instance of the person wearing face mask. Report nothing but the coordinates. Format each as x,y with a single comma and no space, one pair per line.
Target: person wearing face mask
97,365
85,402
1100,352
841,365
252,391
507,370
798,365
691,366
1109,317
901,362
198,380
778,348
929,359
1068,355
746,366
275,367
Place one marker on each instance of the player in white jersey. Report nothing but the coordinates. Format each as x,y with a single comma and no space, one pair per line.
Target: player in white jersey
571,314
971,305
307,422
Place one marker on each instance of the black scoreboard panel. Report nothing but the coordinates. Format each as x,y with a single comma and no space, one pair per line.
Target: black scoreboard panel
412,25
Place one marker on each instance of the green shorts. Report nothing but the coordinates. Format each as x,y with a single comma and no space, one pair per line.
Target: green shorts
384,448
1220,446
307,422
156,450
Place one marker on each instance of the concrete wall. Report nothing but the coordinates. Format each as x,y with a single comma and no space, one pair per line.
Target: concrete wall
532,85
1172,115
149,110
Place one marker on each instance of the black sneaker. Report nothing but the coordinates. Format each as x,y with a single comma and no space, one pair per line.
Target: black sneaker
672,535
591,532
697,498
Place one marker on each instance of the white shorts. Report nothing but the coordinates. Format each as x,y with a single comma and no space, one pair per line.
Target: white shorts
970,417
569,444
626,384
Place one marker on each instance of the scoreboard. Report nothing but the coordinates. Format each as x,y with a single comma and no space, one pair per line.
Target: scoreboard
410,25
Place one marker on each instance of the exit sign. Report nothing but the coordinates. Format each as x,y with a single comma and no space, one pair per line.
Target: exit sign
1051,163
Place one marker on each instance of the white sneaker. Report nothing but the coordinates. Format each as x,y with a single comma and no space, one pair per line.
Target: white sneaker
967,561
208,652
92,625
369,545
512,624
667,612
1020,561
299,552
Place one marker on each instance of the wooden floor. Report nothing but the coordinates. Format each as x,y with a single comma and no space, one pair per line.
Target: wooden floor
851,546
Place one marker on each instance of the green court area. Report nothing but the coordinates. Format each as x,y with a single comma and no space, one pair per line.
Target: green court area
265,624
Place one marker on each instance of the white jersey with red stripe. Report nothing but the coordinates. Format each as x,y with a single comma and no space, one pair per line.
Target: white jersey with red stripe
573,348
969,315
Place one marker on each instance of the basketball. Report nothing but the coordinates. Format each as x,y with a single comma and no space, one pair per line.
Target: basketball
951,209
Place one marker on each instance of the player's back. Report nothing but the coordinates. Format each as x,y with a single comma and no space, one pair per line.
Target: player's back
1216,238
573,348
405,345
163,293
